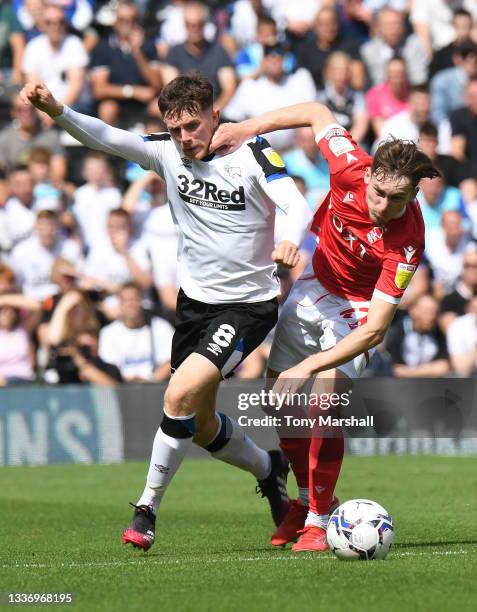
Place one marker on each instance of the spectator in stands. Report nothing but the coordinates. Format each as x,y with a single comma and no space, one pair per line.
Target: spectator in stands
355,19
94,200
77,361
306,161
197,53
272,90
390,40
125,72
47,195
65,277
435,198
245,22
295,17
24,134
464,142
462,341
415,343
455,304
12,45
448,86
173,30
249,60
57,58
78,14
445,249
444,58
156,228
432,22
140,346
32,259
16,350
347,105
118,259
390,97
448,165
406,124
19,209
325,39
72,313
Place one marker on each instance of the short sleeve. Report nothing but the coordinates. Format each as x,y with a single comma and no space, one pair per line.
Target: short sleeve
223,59
269,161
341,151
100,56
397,272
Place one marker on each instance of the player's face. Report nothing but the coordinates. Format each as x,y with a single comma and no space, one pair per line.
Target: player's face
387,197
193,132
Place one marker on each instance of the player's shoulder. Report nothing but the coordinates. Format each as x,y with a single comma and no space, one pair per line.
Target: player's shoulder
335,142
157,137
265,156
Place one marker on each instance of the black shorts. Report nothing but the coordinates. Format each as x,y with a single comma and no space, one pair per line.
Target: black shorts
224,333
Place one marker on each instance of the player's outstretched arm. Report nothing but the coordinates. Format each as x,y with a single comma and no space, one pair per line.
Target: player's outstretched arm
229,136
360,340
90,131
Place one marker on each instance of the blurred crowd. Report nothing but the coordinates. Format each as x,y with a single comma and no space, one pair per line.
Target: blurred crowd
87,244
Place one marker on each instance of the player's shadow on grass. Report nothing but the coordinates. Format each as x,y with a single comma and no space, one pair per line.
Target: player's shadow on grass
433,544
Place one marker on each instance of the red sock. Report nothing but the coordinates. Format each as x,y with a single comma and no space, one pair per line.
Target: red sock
297,451
326,457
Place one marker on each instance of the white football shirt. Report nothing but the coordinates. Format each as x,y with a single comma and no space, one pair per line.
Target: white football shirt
224,207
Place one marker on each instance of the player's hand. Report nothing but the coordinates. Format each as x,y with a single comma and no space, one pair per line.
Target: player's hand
41,97
228,138
286,254
292,380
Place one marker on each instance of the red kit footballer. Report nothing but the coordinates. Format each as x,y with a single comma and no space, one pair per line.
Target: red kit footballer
370,239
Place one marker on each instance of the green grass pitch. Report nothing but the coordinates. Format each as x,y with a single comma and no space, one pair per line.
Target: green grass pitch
61,532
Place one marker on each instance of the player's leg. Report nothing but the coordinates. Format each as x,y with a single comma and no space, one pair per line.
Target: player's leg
327,446
232,335
191,391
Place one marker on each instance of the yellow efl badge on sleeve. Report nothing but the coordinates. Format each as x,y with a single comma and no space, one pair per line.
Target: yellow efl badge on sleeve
275,159
404,274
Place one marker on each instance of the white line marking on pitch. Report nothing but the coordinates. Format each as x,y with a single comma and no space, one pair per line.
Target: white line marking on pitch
153,561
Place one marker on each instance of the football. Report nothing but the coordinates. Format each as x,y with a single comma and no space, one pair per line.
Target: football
360,529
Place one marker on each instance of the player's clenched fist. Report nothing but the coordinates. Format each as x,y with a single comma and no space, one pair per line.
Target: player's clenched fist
286,254
41,97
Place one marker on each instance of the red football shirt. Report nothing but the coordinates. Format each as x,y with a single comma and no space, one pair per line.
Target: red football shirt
354,258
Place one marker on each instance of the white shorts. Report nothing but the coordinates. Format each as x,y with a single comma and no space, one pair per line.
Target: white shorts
313,320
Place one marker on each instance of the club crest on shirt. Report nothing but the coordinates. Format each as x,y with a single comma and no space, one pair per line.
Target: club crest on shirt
404,274
186,162
274,158
233,171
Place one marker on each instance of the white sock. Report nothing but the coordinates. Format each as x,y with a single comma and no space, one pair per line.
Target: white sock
318,520
303,495
166,457
239,450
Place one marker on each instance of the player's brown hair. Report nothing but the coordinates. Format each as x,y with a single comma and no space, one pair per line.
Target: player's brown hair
188,93
403,159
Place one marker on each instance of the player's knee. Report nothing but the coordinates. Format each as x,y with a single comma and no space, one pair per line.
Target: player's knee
177,401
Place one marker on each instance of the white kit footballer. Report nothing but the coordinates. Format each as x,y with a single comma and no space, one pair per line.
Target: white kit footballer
224,207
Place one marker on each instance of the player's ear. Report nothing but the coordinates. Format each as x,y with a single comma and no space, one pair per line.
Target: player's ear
367,175
216,116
